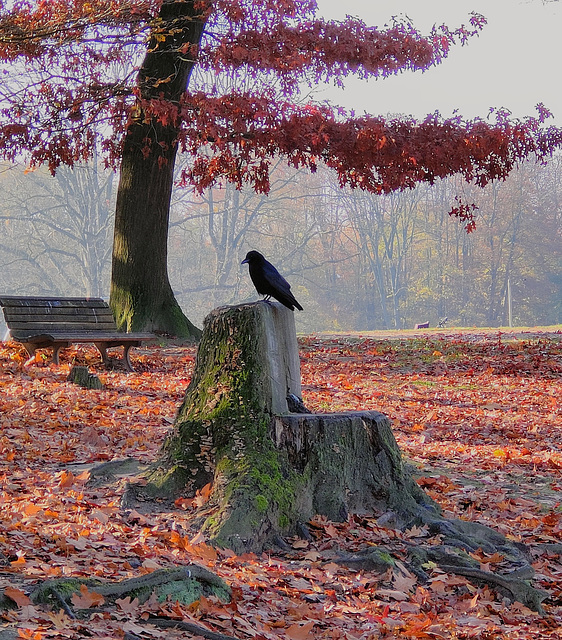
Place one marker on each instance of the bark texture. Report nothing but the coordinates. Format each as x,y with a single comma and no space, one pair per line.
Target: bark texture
352,464
141,296
272,470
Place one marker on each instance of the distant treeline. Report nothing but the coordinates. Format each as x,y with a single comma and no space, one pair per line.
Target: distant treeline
356,261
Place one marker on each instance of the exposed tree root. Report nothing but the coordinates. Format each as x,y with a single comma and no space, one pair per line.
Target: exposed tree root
190,627
185,584
453,558
516,589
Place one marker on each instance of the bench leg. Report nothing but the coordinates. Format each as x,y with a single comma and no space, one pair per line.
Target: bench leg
56,346
30,348
56,351
102,348
126,359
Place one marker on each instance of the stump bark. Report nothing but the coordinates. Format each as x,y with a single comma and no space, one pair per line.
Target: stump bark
270,469
81,376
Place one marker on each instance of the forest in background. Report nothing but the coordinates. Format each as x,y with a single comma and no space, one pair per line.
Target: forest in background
356,261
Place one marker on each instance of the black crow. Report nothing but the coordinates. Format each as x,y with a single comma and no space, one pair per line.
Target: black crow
268,281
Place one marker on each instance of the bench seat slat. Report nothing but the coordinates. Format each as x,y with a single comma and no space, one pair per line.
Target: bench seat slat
29,321
23,313
92,336
49,302
45,327
63,324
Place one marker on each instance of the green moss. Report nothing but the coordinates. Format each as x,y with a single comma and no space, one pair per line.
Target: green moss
6,603
183,591
424,383
376,560
386,557
283,521
262,503
168,481
258,490
177,322
278,486
63,587
135,311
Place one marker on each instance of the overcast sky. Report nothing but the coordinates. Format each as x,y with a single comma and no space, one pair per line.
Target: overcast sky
515,62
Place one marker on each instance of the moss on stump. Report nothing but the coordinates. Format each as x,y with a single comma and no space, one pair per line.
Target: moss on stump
271,469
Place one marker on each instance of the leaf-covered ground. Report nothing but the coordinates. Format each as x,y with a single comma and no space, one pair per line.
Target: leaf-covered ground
479,415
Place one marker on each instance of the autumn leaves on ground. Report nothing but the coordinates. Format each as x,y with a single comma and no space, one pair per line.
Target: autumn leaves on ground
477,414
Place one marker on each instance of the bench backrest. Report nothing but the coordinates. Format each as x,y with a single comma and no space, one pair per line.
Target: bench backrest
26,316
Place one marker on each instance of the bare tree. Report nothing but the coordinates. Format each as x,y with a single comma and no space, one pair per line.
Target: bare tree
60,230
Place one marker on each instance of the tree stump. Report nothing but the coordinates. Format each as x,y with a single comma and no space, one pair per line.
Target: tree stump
271,469
81,376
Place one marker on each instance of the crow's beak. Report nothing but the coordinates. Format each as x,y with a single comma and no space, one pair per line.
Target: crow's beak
245,261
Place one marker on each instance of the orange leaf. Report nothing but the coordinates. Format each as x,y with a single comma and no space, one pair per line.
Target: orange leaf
202,495
29,634
300,631
66,479
87,599
17,595
204,551
20,562
31,509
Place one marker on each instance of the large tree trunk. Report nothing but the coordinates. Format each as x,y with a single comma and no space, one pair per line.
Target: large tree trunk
141,295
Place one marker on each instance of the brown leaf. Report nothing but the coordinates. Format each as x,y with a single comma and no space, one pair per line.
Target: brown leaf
392,593
60,619
300,631
202,495
128,605
17,595
404,582
87,598
300,544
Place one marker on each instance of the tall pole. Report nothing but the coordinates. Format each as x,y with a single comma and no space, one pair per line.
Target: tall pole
509,314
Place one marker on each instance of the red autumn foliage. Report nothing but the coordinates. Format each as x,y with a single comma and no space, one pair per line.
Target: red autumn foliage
70,84
477,413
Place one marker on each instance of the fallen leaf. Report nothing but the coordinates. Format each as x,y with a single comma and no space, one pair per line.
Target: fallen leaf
300,544
202,495
87,598
17,596
300,631
59,619
128,605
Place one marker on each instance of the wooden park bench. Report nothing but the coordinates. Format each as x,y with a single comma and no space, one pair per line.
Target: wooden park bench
43,322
